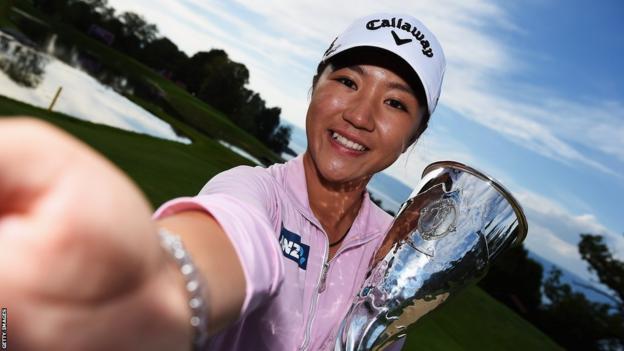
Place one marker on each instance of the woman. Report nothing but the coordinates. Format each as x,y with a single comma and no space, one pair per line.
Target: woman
270,258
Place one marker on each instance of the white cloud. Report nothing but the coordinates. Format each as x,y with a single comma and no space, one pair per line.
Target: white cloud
554,232
540,122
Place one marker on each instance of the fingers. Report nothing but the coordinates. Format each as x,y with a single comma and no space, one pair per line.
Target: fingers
76,233
62,204
32,154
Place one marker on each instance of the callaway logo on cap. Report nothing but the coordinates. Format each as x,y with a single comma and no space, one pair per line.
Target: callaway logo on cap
404,36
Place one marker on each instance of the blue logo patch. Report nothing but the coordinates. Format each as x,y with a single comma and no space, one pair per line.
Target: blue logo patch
293,249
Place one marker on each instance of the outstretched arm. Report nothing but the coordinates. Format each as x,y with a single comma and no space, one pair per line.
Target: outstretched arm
212,251
81,266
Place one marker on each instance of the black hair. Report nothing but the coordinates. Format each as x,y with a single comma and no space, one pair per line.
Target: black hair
402,68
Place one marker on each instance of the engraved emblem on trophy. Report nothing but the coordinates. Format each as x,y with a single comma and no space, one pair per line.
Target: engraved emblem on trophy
444,237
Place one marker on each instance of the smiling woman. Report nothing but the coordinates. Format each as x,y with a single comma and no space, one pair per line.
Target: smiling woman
270,259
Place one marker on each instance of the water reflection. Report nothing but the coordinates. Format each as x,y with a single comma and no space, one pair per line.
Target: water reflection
39,75
240,151
25,66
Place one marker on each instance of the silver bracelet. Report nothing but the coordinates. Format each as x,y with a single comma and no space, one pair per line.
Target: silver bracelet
194,286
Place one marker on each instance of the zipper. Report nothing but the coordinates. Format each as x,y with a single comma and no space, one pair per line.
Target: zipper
316,292
321,286
323,283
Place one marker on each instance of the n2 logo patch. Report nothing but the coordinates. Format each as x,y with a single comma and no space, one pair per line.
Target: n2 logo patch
293,249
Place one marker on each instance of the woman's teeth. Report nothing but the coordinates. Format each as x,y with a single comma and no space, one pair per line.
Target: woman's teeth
347,143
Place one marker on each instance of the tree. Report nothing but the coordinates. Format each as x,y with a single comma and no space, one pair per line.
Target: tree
135,27
132,33
216,79
267,122
5,8
163,54
80,15
50,6
101,7
515,279
84,13
280,139
577,323
609,270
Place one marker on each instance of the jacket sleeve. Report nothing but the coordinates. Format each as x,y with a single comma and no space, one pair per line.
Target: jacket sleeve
244,201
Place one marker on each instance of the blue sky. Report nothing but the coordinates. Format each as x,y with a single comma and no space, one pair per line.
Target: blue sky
533,93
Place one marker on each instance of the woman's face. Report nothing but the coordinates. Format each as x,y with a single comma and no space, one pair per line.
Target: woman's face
360,119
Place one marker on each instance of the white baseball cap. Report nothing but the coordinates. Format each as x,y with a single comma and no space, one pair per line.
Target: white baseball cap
404,36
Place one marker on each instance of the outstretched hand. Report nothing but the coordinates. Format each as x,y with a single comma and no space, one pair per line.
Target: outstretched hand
80,263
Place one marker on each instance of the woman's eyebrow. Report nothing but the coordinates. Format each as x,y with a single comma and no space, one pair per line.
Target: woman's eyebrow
402,87
356,68
390,85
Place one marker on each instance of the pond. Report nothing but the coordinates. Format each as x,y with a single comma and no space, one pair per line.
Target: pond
34,77
240,151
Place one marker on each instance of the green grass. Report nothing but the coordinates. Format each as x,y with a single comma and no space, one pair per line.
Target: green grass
4,21
473,320
163,170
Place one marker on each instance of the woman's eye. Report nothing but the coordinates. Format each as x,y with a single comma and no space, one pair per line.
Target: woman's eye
347,82
396,104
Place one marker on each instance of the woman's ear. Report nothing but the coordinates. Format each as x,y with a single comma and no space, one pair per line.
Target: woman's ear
413,139
411,142
420,129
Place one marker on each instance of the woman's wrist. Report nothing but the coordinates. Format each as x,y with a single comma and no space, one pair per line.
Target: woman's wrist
189,276
214,255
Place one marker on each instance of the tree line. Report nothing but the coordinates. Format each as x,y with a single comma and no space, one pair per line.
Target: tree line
560,311
210,76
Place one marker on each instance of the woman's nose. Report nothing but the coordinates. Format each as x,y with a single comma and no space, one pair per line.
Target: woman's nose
360,113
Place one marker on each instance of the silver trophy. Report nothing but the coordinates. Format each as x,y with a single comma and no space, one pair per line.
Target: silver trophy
444,238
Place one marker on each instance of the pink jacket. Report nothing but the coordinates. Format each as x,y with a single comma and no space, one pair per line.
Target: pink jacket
295,298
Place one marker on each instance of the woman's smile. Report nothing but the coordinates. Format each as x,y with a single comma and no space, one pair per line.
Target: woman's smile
349,145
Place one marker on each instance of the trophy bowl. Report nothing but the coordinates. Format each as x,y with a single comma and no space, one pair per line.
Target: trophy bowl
444,237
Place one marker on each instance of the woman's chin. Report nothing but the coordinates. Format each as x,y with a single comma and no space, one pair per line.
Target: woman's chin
337,173
343,178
